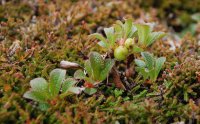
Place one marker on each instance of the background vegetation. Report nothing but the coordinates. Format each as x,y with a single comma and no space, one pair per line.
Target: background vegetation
35,36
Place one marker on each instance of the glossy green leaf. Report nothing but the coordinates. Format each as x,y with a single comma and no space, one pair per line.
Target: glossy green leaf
154,36
97,63
39,84
118,30
88,68
151,67
111,36
140,63
132,32
118,22
153,75
35,95
137,49
107,67
79,74
103,44
159,63
98,36
67,84
103,40
56,78
143,33
149,60
127,27
143,72
109,33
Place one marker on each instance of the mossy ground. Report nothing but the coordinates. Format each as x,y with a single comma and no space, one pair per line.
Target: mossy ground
36,35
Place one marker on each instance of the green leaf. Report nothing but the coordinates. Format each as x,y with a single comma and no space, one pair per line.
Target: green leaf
111,36
143,71
151,67
127,27
118,30
103,44
118,22
56,78
107,67
143,33
35,95
132,32
101,38
140,63
97,63
79,74
149,60
109,33
67,84
39,84
98,36
88,68
90,91
126,30
152,74
159,63
154,36
136,49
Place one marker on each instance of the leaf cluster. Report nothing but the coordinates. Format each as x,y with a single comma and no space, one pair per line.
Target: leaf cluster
97,70
42,92
123,31
150,67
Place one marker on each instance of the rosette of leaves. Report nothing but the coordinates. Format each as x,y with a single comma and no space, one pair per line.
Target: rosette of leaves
150,67
96,70
145,35
41,91
125,30
117,32
122,31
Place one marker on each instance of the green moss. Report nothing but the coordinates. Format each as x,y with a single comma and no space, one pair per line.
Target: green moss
59,31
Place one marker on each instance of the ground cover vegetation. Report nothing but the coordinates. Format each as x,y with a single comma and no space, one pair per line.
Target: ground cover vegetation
92,62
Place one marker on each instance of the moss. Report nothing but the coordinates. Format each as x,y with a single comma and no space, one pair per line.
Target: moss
51,31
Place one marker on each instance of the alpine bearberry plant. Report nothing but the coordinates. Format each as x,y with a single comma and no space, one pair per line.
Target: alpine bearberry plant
127,38
43,92
135,76
150,67
96,69
145,35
